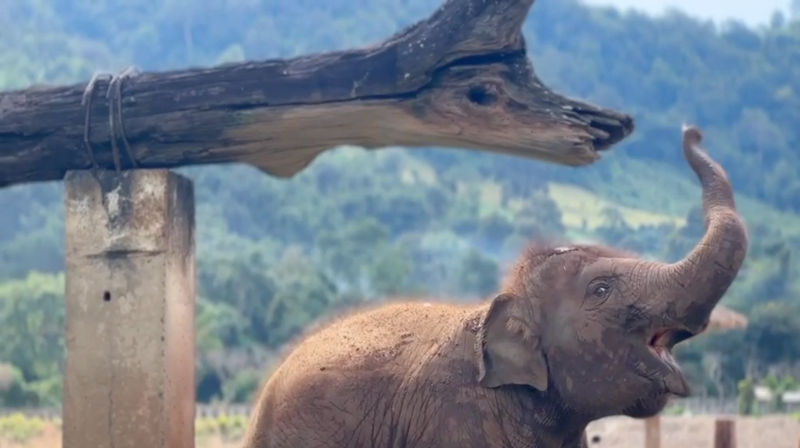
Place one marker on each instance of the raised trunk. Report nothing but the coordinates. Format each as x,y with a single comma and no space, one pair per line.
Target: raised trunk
705,274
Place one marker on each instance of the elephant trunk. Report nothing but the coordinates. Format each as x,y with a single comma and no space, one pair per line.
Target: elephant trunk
705,274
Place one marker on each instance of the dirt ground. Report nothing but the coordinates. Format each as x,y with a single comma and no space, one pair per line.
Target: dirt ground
697,432
615,432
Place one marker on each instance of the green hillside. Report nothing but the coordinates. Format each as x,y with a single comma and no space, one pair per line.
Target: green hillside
275,255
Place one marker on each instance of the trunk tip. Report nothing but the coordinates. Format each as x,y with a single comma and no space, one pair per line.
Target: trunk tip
712,176
692,135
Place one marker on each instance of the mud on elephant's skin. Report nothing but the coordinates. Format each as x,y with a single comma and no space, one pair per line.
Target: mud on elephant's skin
575,334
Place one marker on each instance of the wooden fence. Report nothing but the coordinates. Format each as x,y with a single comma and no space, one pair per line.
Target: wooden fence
712,405
724,435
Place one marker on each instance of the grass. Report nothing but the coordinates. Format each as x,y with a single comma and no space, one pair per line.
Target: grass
20,431
225,431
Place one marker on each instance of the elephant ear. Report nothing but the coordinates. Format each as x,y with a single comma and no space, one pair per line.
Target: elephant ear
509,346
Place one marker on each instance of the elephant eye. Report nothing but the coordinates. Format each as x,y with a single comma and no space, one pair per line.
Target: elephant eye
601,290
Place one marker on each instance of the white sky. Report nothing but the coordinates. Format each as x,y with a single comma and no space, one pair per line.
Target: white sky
747,11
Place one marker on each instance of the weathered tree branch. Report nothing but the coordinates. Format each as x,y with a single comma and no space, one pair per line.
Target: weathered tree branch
460,78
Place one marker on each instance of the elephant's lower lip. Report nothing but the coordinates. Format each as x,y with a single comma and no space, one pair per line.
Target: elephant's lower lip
677,384
664,355
674,381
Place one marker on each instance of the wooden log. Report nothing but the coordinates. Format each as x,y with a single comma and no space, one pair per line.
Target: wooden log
460,78
652,432
725,433
129,374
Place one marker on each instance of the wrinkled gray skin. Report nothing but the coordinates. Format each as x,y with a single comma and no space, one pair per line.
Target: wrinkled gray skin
575,334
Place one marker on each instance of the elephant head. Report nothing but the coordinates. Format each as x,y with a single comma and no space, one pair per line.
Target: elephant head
593,328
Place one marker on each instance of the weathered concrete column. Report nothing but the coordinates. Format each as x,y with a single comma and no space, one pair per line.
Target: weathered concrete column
652,432
725,433
129,375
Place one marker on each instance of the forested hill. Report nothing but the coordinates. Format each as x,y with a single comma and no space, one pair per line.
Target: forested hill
276,254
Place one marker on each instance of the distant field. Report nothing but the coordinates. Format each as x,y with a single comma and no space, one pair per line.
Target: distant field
644,193
664,191
579,205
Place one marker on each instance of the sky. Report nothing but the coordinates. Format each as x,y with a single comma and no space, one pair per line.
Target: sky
750,12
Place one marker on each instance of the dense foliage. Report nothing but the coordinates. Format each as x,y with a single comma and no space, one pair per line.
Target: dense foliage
276,255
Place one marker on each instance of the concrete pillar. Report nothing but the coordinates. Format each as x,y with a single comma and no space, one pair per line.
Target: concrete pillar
130,288
725,433
652,432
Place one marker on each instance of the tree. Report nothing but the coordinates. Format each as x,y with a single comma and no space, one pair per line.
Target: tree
346,252
493,229
746,399
32,312
539,218
304,294
218,326
242,284
615,228
390,272
774,333
778,386
33,324
478,274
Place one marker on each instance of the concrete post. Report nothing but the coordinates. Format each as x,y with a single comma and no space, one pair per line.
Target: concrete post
130,288
725,433
652,432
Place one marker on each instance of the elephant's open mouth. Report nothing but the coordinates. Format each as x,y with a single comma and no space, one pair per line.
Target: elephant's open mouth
660,346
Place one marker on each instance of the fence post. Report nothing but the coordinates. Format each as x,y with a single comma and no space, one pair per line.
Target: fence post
129,373
652,432
725,433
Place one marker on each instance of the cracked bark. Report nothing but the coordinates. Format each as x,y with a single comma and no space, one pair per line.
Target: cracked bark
460,78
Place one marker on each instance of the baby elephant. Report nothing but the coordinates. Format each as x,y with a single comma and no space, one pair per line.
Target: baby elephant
575,334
